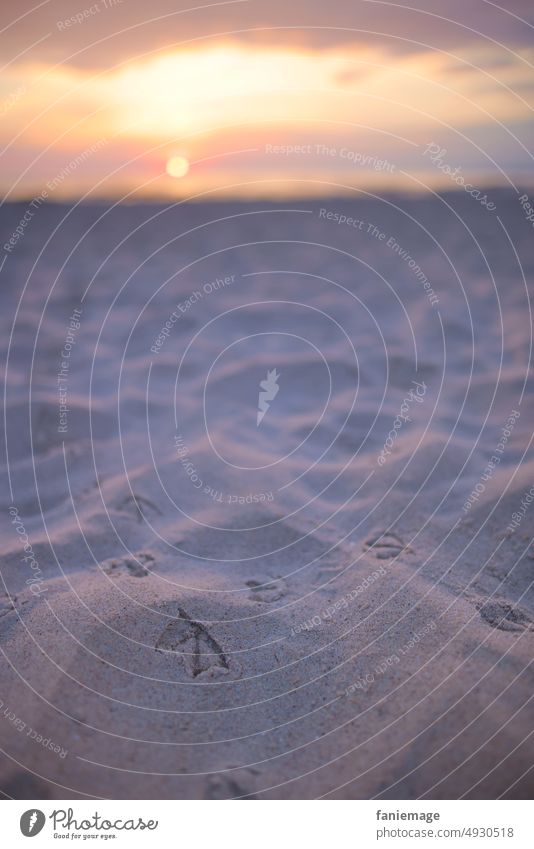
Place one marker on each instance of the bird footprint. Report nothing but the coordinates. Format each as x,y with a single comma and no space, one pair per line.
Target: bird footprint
142,506
225,787
132,566
504,616
386,545
7,605
198,650
266,592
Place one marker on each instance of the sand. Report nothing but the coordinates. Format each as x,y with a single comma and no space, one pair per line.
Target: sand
333,602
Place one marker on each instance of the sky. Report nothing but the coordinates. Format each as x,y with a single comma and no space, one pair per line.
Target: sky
137,100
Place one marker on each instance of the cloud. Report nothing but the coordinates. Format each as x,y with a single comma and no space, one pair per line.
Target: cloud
218,100
113,31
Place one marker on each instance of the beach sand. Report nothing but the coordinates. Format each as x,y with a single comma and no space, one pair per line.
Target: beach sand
333,602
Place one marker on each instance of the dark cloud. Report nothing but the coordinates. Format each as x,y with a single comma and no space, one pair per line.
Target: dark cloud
112,31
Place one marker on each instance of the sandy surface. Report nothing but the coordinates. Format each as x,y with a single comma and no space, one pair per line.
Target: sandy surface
315,605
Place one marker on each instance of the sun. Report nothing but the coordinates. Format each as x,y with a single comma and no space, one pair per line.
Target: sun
177,166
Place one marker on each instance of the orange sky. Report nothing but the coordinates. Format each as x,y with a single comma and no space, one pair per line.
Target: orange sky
254,116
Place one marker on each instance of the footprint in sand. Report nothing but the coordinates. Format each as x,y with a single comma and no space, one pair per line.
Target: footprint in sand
386,545
9,605
266,592
132,567
504,616
140,506
198,651
6,605
224,787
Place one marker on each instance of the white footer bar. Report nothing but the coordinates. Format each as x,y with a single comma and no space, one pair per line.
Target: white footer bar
267,824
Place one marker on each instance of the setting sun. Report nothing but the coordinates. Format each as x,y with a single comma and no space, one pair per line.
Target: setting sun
177,166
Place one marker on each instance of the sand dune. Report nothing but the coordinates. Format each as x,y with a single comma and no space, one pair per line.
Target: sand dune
334,602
